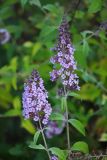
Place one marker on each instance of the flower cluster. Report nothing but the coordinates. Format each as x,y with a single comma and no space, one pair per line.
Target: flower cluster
54,129
54,157
65,58
4,36
35,104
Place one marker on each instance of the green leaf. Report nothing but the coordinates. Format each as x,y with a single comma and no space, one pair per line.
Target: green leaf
85,48
44,70
62,103
36,47
23,2
79,14
85,45
78,125
86,32
34,146
16,150
47,30
95,6
5,96
12,113
81,60
73,94
80,146
57,116
10,2
89,91
28,44
35,2
13,64
5,12
50,7
58,152
36,136
14,29
28,126
17,103
102,35
103,137
14,82
88,77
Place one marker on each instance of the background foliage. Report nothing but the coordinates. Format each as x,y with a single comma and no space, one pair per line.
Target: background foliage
33,26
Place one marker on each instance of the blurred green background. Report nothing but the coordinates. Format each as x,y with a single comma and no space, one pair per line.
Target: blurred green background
33,25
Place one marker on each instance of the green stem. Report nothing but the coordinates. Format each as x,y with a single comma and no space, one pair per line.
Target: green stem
67,124
44,139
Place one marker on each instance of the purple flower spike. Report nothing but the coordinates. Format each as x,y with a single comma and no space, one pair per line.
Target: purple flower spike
54,157
65,58
4,36
54,129
35,104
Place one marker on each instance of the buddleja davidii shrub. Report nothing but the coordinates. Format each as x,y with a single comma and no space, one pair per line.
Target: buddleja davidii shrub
36,106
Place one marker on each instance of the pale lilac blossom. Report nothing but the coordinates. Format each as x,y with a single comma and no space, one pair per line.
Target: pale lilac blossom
35,104
65,59
54,157
4,36
54,129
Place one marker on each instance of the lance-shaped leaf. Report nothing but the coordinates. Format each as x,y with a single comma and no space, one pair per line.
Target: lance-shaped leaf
62,154
57,116
36,136
78,125
34,146
80,146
